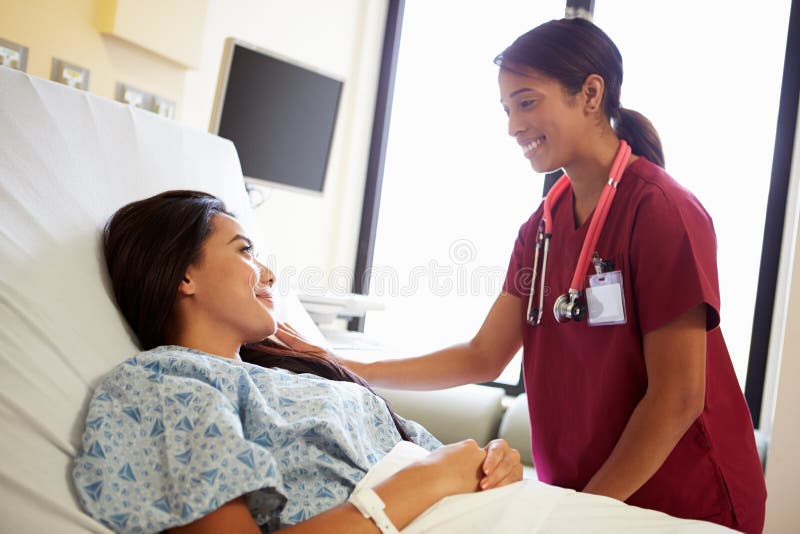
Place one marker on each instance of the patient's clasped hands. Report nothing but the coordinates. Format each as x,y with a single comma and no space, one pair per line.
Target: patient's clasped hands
502,465
464,467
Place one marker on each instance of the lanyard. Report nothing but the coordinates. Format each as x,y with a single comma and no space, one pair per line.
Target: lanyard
570,305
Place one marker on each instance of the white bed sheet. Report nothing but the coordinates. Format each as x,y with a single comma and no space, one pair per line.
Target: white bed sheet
529,507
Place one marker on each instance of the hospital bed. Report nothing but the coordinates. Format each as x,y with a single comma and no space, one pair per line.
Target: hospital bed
68,159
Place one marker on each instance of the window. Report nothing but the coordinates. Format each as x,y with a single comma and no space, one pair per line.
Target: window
455,187
714,102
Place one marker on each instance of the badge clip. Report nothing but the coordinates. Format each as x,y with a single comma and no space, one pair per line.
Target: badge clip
600,265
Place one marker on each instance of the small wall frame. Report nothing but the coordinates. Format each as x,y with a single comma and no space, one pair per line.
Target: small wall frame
127,94
13,55
69,74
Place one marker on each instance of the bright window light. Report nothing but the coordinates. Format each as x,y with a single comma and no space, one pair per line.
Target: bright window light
456,188
709,78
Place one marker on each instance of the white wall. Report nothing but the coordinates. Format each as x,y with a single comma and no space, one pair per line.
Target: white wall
783,460
344,38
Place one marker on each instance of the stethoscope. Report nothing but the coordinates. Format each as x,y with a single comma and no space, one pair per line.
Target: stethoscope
571,306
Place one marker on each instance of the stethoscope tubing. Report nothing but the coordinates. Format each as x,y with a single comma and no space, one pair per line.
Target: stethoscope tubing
545,230
601,214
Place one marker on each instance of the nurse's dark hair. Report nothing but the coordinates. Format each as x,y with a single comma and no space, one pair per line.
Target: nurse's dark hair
149,244
569,50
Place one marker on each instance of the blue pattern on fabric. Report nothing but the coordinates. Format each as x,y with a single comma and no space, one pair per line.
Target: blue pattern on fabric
173,433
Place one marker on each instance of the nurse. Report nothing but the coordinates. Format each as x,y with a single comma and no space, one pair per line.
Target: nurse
637,400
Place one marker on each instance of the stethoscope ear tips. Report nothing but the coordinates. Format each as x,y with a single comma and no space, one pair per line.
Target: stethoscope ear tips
535,317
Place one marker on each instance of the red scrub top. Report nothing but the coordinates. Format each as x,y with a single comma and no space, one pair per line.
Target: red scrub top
583,382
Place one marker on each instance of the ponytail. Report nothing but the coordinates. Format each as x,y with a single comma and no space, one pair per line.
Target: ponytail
640,134
267,353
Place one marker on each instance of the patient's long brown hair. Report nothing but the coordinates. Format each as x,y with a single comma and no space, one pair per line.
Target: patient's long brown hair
149,244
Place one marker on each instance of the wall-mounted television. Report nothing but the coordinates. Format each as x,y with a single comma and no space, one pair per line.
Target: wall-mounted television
280,115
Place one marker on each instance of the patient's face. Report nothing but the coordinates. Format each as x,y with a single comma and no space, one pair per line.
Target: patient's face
231,288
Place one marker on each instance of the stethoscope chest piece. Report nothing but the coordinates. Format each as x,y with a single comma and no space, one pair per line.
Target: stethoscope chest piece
570,307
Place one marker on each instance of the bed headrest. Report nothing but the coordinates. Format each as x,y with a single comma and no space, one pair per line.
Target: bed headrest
68,160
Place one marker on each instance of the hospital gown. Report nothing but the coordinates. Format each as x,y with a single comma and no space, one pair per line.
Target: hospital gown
174,433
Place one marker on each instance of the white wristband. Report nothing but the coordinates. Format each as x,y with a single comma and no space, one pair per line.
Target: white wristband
371,506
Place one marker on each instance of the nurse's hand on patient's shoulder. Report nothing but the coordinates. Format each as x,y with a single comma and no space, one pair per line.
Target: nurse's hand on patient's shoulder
456,468
295,341
502,465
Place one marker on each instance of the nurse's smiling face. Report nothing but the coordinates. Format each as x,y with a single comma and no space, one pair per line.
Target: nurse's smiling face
546,121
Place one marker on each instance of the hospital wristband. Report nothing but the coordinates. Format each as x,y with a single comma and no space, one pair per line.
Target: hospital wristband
371,507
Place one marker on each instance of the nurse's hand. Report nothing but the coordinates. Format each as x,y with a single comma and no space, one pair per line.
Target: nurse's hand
295,341
502,465
358,368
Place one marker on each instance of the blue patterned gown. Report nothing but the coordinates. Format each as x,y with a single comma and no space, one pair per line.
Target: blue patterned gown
174,433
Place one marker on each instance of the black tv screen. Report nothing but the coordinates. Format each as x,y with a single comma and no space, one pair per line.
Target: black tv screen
279,115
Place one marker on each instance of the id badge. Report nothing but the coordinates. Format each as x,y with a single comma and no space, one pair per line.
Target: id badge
606,299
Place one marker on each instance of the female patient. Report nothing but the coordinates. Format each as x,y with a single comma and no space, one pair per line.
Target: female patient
188,436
